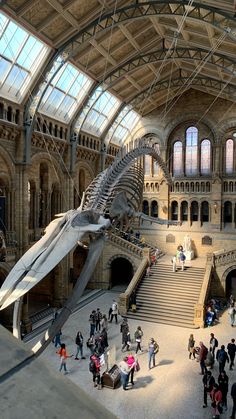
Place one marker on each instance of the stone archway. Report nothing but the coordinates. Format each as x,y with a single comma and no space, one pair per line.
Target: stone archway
6,315
229,281
122,271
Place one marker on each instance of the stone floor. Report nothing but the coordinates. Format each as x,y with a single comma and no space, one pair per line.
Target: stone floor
171,390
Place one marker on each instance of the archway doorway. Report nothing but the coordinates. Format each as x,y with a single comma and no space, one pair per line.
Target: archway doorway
121,272
230,282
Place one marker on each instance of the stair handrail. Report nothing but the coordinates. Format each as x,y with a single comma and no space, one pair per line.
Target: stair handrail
124,298
224,257
200,307
126,244
132,239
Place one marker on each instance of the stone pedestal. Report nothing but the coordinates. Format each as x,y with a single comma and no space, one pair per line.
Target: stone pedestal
189,254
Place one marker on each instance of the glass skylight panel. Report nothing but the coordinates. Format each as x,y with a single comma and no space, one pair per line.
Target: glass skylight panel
65,93
99,116
21,56
123,126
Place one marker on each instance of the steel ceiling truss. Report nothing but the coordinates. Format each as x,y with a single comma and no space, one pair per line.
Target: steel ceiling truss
203,13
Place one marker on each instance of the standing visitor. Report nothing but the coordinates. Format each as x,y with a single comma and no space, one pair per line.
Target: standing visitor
191,346
124,372
98,318
124,329
222,357
153,349
91,344
92,321
223,381
138,338
114,311
202,357
174,261
231,313
94,368
216,397
104,322
208,382
233,395
182,260
231,348
79,340
131,361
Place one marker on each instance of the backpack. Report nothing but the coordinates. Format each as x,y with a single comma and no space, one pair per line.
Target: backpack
205,353
221,356
216,343
182,257
156,348
92,366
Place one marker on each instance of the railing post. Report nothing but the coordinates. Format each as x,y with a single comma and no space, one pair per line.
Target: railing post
199,315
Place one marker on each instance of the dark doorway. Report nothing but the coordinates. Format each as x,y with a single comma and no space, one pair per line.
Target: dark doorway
121,272
231,284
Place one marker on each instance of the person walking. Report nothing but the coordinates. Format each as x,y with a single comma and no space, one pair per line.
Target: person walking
191,345
209,361
124,329
98,318
233,395
138,338
153,349
223,381
79,340
114,311
222,357
232,313
124,372
63,357
208,382
202,357
57,339
213,344
231,348
92,321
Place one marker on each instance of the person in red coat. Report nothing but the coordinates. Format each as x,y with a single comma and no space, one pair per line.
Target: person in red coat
216,397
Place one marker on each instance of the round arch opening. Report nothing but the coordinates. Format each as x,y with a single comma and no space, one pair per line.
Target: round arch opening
230,284
121,272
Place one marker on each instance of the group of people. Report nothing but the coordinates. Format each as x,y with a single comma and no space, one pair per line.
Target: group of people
217,389
178,259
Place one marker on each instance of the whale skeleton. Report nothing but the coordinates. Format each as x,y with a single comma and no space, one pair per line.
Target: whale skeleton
66,230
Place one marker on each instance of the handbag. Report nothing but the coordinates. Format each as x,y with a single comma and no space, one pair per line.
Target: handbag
137,366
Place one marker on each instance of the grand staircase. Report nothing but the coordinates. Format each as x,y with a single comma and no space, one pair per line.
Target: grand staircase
168,297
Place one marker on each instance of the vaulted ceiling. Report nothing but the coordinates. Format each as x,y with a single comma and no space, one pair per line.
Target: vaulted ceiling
145,52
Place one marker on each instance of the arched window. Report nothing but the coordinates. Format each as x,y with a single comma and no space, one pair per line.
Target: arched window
227,212
184,211
177,158
154,209
147,165
229,156
174,211
191,151
194,211
205,157
146,207
204,212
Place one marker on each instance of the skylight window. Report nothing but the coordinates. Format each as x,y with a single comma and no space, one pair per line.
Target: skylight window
123,126
21,56
101,113
66,91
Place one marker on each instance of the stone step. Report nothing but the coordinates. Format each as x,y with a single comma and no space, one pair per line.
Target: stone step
171,311
167,292
159,302
161,320
170,285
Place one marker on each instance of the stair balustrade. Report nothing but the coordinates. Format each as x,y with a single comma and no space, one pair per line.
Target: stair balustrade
200,307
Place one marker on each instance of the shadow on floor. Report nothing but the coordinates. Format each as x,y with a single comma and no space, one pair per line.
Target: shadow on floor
165,362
